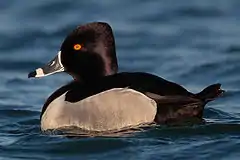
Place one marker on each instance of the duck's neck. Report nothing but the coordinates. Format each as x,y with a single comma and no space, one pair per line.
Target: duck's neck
92,77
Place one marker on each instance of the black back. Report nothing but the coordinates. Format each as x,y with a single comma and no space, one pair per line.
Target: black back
142,82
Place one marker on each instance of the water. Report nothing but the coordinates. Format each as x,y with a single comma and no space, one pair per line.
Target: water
192,42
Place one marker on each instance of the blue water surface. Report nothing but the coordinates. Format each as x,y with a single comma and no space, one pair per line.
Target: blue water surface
192,42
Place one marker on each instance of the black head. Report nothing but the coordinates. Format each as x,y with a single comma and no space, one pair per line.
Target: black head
87,53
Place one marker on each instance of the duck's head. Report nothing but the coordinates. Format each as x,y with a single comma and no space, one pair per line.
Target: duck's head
86,54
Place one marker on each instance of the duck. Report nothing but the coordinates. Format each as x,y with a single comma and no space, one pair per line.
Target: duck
100,98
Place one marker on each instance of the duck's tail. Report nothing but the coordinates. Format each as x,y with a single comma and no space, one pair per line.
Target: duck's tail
210,93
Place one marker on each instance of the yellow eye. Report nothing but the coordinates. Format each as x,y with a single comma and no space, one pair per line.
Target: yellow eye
77,47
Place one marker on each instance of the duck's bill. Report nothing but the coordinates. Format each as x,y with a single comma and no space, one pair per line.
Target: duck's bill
52,67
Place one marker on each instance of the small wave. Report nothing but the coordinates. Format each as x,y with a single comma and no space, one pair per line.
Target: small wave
14,113
204,12
233,49
208,129
18,65
212,113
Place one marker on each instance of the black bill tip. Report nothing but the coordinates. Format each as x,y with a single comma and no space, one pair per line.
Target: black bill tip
32,74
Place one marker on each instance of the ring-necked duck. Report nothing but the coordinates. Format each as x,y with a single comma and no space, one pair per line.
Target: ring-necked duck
101,99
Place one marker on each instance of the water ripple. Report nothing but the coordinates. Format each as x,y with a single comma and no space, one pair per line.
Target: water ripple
193,43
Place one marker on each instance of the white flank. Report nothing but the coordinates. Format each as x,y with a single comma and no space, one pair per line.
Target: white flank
109,110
